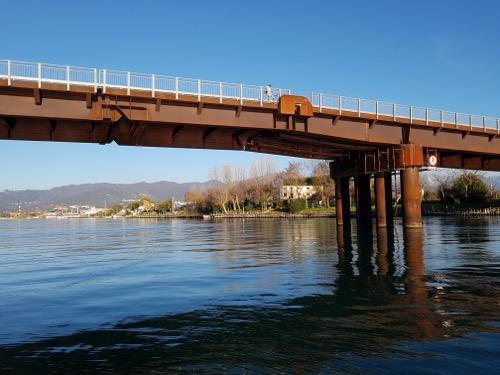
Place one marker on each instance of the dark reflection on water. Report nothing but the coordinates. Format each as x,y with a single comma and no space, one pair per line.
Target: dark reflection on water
254,296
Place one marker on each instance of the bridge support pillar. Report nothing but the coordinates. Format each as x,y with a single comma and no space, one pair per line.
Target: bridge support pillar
380,200
363,200
342,201
411,197
388,199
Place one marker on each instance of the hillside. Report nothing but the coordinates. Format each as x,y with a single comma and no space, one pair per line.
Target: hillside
99,194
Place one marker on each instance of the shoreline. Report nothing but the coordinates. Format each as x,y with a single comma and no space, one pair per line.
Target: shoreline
471,212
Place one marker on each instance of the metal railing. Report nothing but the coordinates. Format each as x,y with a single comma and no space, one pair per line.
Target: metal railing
104,78
398,111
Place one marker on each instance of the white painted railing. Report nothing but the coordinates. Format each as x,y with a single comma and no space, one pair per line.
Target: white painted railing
103,78
395,111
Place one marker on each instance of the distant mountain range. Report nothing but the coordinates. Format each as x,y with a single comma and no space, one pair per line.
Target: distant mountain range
99,194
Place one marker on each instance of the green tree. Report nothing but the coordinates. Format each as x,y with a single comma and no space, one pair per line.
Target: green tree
163,207
470,187
296,205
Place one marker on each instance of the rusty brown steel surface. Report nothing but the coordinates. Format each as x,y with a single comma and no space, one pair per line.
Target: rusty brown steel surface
346,200
339,210
380,199
411,196
51,113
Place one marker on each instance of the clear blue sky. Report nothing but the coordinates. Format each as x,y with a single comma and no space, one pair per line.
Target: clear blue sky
442,54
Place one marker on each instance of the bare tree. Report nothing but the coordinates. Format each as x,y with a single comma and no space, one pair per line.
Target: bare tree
323,182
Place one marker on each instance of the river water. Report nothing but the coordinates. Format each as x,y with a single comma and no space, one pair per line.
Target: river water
248,296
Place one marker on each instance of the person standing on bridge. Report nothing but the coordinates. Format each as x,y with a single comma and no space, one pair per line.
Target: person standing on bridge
269,93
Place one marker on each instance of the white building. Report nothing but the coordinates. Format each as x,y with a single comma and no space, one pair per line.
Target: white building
297,192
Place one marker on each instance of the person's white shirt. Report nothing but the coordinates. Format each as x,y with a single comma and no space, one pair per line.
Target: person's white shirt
269,91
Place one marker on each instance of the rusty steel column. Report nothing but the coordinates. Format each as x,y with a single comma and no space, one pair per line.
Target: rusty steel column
346,200
342,201
411,197
339,210
389,214
363,200
380,200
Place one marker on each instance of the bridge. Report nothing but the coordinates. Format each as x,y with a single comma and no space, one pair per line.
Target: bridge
47,102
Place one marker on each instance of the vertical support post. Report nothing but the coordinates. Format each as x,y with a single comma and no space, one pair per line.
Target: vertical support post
411,197
394,112
199,90
95,79
426,116
363,201
411,114
380,200
176,87
389,215
128,83
339,211
9,73
484,123
67,77
39,75
376,108
456,120
321,102
153,85
104,80
261,96
241,94
498,126
340,105
220,92
346,200
470,122
441,117
359,107
279,93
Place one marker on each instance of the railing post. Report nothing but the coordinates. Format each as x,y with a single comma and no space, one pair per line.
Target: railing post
470,122
128,83
427,116
176,87
220,92
411,114
153,85
394,111
484,123
95,79
241,94
321,102
279,93
456,120
498,126
104,80
67,77
359,107
340,105
376,109
9,73
199,90
441,117
39,75
261,96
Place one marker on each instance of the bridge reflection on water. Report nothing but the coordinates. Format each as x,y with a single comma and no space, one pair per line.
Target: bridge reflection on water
377,301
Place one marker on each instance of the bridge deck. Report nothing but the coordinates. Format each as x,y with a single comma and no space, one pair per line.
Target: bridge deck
227,116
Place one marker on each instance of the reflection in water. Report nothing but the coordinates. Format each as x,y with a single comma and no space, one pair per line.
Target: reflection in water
291,296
